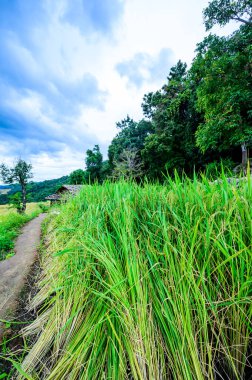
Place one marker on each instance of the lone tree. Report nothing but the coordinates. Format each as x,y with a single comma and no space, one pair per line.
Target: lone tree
20,173
129,165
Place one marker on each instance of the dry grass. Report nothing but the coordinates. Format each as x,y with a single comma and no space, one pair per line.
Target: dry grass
31,207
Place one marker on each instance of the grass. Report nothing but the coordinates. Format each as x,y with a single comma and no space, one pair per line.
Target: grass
10,224
150,282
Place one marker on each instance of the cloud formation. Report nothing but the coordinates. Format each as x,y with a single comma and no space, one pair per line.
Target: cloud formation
143,67
70,69
44,89
94,16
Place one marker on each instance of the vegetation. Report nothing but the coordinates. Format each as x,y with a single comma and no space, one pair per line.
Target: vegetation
150,281
224,91
222,11
145,282
20,173
77,177
200,115
36,191
10,224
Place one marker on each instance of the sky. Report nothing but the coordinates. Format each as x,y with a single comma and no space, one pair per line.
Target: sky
71,69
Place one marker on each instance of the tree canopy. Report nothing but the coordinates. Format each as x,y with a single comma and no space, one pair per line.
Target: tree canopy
224,92
94,164
77,177
222,11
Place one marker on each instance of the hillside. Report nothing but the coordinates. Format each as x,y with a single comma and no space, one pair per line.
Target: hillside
37,191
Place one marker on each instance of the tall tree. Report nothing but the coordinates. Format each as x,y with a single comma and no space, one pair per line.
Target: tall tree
175,119
94,164
222,69
222,11
128,166
20,173
131,137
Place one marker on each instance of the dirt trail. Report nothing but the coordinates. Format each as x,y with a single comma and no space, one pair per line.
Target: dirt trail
14,271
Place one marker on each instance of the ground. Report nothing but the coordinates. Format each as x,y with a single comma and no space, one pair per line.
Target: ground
13,272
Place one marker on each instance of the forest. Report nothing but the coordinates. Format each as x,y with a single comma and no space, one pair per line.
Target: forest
199,120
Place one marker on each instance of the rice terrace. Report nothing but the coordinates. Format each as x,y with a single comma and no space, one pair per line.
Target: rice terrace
126,190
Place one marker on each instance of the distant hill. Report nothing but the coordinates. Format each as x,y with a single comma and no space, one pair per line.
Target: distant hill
4,190
36,191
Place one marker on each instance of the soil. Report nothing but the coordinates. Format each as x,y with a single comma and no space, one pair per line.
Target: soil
14,271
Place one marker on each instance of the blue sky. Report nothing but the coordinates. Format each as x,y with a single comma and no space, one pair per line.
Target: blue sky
70,69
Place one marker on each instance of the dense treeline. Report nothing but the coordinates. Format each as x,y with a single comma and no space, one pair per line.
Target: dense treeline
199,118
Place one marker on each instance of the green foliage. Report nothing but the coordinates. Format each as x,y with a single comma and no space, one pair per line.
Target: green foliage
77,177
94,164
131,137
20,173
36,191
105,171
39,190
146,282
175,119
224,90
44,207
222,11
215,169
15,200
200,116
10,225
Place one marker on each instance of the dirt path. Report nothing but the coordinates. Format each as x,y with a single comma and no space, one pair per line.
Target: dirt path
14,271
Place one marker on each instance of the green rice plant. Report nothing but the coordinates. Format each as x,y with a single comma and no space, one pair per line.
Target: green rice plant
146,282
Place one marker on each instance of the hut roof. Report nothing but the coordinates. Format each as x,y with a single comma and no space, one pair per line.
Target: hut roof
53,197
70,189
73,189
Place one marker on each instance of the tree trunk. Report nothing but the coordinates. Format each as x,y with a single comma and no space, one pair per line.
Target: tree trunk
244,157
23,208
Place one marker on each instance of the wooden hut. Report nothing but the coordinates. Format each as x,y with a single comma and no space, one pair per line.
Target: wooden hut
63,192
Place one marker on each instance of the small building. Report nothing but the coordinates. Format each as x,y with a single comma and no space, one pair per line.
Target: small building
63,191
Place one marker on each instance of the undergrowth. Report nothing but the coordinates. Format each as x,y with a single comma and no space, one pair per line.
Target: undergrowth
10,225
146,282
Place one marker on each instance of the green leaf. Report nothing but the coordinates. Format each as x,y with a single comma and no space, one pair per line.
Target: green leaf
60,253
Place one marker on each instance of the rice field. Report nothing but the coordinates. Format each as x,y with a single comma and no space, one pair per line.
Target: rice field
146,282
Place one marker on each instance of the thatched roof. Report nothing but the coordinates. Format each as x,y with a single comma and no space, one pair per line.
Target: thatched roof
64,189
53,197
72,189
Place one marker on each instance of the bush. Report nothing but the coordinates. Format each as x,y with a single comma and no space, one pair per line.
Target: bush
43,207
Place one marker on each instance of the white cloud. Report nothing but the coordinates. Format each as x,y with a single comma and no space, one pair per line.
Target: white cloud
60,90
